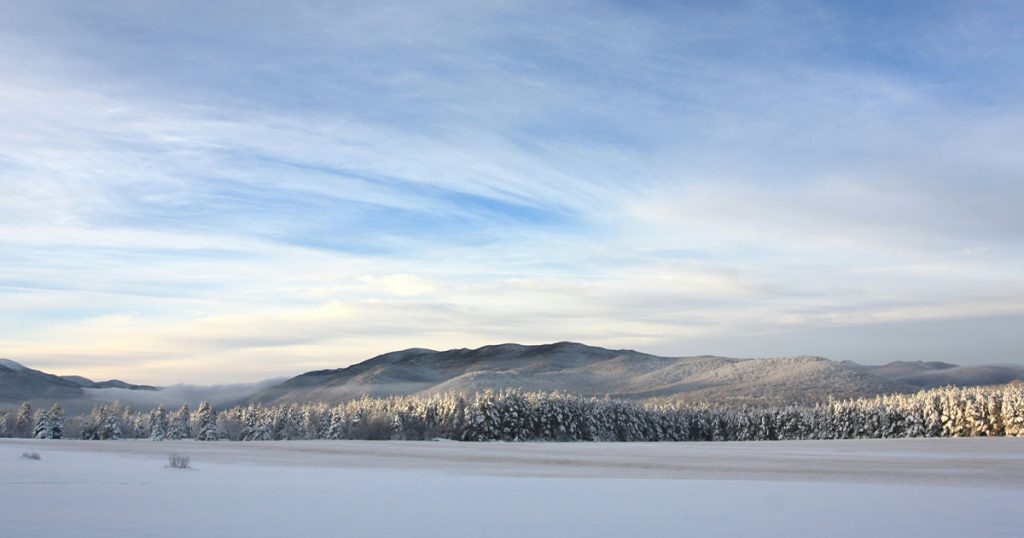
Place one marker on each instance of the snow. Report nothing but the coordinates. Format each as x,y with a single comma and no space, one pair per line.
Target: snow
908,487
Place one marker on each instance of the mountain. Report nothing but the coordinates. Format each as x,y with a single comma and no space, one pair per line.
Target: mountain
937,374
19,383
563,366
587,370
78,394
111,384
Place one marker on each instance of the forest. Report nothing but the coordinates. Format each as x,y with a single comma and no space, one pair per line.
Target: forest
515,415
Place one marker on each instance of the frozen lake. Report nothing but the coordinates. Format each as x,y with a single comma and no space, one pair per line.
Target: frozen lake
905,487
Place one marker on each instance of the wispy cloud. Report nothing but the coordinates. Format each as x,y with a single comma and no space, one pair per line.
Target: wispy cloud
187,191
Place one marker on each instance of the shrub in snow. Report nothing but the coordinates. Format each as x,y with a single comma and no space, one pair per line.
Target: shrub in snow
31,455
178,461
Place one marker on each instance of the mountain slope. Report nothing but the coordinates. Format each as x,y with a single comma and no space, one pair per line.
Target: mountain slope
18,383
563,366
87,383
587,370
926,375
964,376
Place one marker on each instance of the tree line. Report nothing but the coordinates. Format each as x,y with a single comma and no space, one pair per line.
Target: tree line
515,415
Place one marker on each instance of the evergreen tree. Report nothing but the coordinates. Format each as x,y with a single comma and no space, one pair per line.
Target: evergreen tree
23,421
42,429
138,425
206,423
336,430
56,422
111,428
180,425
158,424
516,415
127,419
310,421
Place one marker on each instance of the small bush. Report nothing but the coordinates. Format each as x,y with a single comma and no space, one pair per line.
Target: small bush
178,461
31,455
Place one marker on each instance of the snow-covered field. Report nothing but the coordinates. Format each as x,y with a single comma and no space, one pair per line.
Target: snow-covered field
906,487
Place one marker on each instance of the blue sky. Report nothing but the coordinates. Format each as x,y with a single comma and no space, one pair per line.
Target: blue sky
207,192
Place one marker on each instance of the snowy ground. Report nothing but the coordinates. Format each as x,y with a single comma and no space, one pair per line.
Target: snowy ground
912,487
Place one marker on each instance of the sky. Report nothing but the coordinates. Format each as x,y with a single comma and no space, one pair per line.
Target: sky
212,192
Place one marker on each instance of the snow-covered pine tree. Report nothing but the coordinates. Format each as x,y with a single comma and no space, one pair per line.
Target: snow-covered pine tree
1013,411
103,423
158,424
893,419
974,415
140,425
280,422
206,423
42,429
295,425
914,415
111,427
932,414
248,418
89,427
954,421
229,424
481,418
311,418
56,422
23,423
180,425
185,422
256,424
515,415
127,423
337,429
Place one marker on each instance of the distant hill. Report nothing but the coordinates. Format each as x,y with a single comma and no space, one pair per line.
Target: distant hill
78,394
18,383
937,374
595,371
563,366
111,384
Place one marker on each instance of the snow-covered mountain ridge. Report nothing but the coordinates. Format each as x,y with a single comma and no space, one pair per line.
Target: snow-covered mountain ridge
594,371
563,366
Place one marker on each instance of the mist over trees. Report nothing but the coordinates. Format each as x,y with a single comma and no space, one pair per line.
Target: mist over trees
514,415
